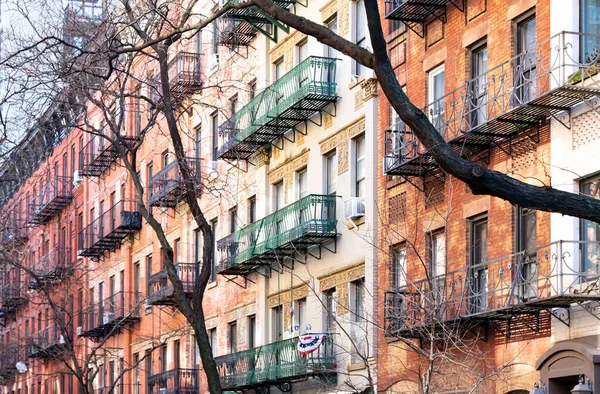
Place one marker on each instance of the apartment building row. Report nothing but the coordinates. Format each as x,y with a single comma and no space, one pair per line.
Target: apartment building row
330,218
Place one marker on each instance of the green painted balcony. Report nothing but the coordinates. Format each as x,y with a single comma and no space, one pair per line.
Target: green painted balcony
239,26
295,98
278,363
307,223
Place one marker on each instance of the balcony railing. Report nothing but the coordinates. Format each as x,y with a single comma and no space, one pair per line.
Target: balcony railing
82,10
175,381
274,364
47,343
167,188
55,194
52,267
13,296
106,317
185,76
308,222
518,94
521,283
9,356
13,229
99,154
246,22
108,230
160,289
305,90
414,12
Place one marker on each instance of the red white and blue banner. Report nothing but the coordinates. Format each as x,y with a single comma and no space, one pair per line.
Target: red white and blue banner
309,343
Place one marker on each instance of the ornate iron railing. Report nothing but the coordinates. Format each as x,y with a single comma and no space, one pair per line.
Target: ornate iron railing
10,354
55,194
518,93
295,97
105,317
167,188
185,76
100,153
13,293
308,221
275,363
160,289
524,282
47,343
53,266
175,381
108,230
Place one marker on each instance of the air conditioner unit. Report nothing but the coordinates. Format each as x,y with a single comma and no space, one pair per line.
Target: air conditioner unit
213,61
354,208
108,317
77,178
79,331
213,170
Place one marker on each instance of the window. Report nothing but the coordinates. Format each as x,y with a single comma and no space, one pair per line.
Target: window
163,358
150,172
165,159
590,24
232,338
252,90
331,312
233,105
212,336
251,331
198,143
360,24
136,281
527,268
215,38
301,51
394,25
233,220
436,98
300,314
138,114
213,264
332,25
590,232
524,83
277,323
358,327
176,354
437,254
279,69
331,173
478,96
197,246
148,272
302,183
479,269
360,167
278,196
399,267
252,209
214,121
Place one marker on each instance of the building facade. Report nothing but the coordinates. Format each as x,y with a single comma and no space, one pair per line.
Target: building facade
280,133
478,293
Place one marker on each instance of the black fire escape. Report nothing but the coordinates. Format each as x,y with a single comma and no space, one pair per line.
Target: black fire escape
167,188
160,288
107,231
51,268
55,194
415,13
106,317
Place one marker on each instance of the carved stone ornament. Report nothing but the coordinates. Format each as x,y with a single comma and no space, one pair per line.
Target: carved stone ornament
340,140
285,297
342,277
369,88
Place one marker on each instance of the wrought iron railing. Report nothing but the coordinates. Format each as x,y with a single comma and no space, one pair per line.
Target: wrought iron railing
160,288
13,229
100,153
275,363
104,317
54,195
10,354
175,381
107,231
13,293
167,188
313,216
85,10
46,343
514,95
552,276
185,76
52,266
293,98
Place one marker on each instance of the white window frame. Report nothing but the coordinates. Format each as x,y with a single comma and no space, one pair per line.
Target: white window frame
431,91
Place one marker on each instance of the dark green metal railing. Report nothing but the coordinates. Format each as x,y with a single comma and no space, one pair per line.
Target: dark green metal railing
275,363
307,222
305,90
